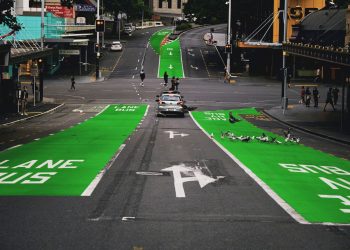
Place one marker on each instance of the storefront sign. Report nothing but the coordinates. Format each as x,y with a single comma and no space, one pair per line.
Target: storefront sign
60,11
85,8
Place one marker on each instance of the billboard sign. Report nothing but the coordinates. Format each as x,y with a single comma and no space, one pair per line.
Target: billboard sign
60,11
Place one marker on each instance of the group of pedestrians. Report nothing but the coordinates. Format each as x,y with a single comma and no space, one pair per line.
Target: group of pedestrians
175,81
306,94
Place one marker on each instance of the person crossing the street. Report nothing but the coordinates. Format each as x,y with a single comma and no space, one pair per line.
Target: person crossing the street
142,76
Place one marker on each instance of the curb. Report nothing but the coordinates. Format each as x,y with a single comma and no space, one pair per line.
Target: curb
307,130
31,117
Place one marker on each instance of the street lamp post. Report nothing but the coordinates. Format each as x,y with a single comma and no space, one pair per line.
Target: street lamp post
42,24
228,63
98,43
284,98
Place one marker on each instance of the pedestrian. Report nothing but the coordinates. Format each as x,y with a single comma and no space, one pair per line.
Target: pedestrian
316,96
302,95
72,80
166,78
318,75
231,118
307,97
142,76
329,99
335,93
173,82
24,99
177,82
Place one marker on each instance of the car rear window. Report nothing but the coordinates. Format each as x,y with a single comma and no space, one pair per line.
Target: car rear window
172,98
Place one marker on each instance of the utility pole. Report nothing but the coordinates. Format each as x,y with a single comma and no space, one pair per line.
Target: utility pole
98,43
284,66
42,24
228,64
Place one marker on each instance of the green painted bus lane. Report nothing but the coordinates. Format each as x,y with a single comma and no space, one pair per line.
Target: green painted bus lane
66,163
314,184
170,58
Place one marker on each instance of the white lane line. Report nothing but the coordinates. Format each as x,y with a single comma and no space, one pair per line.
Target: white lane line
88,191
102,110
205,64
262,184
37,139
17,146
182,64
133,77
118,61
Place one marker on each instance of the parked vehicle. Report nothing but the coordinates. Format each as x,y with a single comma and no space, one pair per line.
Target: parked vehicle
116,46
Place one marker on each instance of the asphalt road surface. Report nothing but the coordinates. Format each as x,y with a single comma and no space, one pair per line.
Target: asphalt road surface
135,205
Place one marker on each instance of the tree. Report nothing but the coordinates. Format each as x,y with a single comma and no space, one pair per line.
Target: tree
6,16
208,11
132,8
342,3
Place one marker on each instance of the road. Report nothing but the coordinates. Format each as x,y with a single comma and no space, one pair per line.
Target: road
171,186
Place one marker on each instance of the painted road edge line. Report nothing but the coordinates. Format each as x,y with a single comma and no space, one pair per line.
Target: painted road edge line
262,184
90,189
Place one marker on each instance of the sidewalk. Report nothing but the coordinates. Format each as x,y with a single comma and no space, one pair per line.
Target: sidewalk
314,121
38,110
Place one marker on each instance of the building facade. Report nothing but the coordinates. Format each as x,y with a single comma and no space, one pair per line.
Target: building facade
168,8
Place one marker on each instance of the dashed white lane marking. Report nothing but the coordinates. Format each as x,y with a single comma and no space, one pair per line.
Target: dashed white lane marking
37,139
133,77
262,184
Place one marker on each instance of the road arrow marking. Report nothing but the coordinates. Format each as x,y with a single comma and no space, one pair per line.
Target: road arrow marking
189,50
171,66
172,134
192,174
170,54
193,67
191,54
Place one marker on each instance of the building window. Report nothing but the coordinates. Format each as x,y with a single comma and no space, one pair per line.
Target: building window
179,4
169,4
34,3
160,3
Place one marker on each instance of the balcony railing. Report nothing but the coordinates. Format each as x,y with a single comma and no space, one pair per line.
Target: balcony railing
340,56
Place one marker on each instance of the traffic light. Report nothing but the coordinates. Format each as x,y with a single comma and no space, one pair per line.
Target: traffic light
96,47
228,48
67,3
100,25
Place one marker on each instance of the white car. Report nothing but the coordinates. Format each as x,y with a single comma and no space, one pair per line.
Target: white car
116,46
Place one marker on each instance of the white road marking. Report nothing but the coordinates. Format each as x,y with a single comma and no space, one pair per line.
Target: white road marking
171,66
88,191
262,184
192,173
172,134
191,54
149,173
14,147
205,64
78,110
193,67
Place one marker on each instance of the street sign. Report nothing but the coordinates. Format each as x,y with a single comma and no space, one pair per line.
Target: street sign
34,71
75,52
79,43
